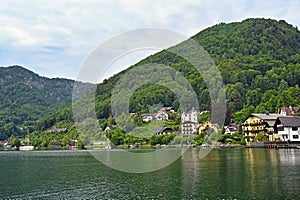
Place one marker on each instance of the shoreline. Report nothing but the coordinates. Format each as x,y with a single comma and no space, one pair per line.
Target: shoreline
262,146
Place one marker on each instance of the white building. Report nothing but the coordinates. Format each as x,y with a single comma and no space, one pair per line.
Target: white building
147,117
188,128
161,115
231,129
189,122
109,128
288,128
191,116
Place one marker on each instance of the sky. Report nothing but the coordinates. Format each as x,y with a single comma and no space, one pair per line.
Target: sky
55,37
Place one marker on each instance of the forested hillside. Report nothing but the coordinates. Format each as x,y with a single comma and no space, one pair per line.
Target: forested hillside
26,97
259,60
260,63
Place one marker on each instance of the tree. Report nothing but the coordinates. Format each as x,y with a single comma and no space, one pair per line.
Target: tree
110,120
15,142
285,99
260,137
283,85
262,83
204,116
253,97
204,99
235,96
125,122
243,114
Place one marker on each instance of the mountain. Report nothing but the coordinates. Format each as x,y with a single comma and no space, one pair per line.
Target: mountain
259,60
26,97
252,37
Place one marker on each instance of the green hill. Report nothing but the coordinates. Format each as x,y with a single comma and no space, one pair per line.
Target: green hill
259,60
26,97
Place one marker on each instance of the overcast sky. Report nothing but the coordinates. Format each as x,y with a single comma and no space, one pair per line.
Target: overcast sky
54,37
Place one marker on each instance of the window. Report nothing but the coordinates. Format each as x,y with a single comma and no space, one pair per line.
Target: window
286,137
295,136
294,128
280,128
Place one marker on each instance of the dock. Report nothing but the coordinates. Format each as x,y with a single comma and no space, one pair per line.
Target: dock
271,145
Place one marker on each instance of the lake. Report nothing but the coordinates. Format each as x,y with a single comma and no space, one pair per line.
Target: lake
222,174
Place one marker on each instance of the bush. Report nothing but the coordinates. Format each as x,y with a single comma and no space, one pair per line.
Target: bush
229,140
243,142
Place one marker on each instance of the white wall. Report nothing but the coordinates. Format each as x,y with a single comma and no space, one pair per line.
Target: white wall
289,134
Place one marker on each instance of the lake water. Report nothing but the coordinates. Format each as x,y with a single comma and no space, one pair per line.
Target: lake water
223,174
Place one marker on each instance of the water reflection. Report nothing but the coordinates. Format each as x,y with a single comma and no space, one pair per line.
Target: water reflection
190,173
241,174
289,156
222,174
289,177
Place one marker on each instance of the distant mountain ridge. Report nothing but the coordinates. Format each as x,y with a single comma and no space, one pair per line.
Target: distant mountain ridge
259,60
26,97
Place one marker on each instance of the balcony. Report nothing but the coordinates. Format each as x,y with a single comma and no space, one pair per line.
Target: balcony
254,131
253,124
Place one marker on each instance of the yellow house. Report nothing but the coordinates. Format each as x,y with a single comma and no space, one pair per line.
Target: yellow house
208,126
257,123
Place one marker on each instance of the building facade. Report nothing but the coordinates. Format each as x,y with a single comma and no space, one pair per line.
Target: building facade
288,128
208,128
191,116
231,129
257,123
189,123
189,128
147,117
161,115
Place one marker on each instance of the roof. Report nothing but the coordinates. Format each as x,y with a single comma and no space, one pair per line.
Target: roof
146,115
289,121
166,108
193,111
188,122
268,116
289,110
271,124
232,126
55,143
162,129
110,127
160,112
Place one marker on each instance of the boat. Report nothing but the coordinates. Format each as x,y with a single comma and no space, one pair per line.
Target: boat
73,145
205,146
101,145
26,148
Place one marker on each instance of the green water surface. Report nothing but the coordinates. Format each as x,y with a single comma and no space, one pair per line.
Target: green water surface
223,174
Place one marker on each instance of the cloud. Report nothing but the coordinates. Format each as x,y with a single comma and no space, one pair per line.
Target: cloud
54,37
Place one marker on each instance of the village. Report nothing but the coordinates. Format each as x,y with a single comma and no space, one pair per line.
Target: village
264,130
281,129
